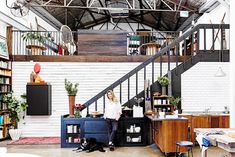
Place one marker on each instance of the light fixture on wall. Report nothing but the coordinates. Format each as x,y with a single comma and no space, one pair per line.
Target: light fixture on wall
220,73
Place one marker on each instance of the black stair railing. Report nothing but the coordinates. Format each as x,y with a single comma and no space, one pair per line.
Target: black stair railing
186,46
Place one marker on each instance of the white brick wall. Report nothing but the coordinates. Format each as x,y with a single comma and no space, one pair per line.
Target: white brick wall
92,78
200,89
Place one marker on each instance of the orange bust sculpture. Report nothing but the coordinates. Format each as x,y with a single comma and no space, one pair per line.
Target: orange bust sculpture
37,78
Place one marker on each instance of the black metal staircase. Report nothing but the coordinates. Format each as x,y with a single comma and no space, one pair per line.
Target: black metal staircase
192,46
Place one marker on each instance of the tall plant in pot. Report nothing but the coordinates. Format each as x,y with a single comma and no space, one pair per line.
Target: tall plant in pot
15,109
163,81
72,90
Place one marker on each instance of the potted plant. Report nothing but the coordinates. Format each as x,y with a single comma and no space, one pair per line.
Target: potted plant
176,102
163,81
72,90
15,109
35,42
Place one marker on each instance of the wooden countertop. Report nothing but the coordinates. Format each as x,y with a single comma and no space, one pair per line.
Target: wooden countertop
167,117
203,114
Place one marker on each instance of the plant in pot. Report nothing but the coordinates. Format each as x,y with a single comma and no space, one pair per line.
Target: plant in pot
176,101
72,90
36,41
163,81
15,109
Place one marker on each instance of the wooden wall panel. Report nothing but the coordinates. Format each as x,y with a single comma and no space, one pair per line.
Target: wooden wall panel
102,42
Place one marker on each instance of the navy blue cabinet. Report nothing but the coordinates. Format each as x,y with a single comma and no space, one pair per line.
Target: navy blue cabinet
73,129
131,131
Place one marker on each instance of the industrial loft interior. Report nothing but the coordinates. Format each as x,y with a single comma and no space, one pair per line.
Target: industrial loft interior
117,78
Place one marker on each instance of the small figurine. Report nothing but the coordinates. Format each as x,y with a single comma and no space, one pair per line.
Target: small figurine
36,77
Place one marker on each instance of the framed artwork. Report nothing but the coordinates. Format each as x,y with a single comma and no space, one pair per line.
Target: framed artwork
3,48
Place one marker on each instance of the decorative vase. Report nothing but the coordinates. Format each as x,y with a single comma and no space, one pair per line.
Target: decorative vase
180,111
15,134
163,90
71,105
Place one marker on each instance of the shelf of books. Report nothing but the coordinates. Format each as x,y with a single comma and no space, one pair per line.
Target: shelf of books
5,88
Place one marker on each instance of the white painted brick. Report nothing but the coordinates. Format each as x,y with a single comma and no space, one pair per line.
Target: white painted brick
197,89
200,89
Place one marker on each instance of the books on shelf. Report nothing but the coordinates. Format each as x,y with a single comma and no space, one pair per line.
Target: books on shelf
4,119
5,72
4,80
5,89
5,65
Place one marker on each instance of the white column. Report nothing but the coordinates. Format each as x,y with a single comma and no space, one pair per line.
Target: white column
232,64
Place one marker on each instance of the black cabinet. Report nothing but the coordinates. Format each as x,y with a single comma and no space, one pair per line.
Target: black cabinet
39,99
132,132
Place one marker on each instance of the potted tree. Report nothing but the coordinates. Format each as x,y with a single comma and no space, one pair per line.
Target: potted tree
163,81
72,90
15,109
35,42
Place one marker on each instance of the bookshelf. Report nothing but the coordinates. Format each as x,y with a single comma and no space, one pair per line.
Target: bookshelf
161,104
5,87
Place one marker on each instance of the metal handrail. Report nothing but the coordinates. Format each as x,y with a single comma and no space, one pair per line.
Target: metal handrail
163,51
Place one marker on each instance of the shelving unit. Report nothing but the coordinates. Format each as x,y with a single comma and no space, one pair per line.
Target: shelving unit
161,104
132,132
5,87
71,132
73,129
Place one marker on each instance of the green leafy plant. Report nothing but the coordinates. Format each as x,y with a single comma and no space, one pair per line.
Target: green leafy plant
15,107
71,88
163,80
175,101
34,36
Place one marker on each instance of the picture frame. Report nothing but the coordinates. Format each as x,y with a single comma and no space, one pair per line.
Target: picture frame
3,48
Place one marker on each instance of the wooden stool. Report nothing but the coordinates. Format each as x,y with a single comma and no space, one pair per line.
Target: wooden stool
187,144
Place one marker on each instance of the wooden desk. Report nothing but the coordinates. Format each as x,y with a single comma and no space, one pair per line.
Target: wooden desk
223,141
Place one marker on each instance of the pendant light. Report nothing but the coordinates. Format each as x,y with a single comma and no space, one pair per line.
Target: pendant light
220,73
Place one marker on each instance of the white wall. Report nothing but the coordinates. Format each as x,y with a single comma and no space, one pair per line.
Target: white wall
26,20
232,66
92,78
201,89
3,29
214,17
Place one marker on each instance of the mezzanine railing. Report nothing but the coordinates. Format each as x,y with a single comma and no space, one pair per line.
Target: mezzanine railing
50,43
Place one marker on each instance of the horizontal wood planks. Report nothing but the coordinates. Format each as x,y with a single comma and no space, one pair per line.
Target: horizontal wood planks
90,58
102,42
